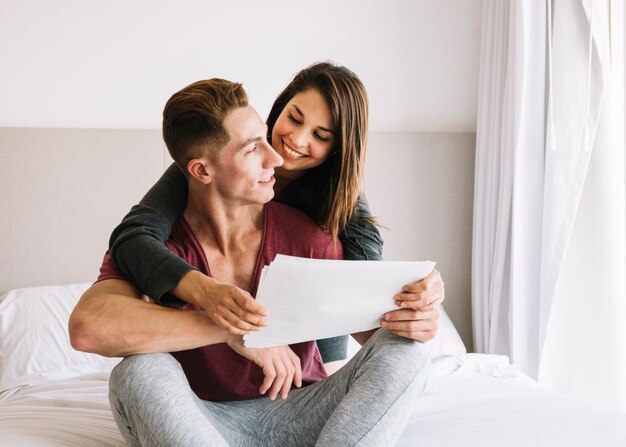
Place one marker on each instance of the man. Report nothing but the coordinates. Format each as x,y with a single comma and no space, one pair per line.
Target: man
229,231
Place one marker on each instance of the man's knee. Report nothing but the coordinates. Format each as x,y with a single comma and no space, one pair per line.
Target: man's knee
138,371
403,354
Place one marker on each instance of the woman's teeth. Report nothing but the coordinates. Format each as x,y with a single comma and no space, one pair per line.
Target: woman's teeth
293,153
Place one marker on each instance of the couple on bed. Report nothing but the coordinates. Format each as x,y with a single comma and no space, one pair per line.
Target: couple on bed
196,245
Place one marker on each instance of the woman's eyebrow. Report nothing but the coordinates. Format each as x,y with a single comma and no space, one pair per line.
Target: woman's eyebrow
297,109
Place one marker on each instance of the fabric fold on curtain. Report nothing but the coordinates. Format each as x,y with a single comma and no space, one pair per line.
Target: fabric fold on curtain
584,293
508,188
577,88
543,120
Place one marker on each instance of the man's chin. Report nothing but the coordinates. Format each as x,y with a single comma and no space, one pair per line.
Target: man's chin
269,198
263,199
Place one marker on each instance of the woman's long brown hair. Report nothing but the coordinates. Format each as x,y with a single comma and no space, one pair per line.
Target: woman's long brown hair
329,193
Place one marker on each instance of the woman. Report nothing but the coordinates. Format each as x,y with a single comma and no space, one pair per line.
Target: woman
318,124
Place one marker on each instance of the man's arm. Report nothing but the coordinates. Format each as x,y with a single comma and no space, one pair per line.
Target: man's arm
418,318
418,325
362,337
112,320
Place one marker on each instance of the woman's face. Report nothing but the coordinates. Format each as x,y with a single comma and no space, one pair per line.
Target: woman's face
303,133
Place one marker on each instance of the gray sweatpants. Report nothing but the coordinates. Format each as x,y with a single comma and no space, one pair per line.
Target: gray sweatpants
366,403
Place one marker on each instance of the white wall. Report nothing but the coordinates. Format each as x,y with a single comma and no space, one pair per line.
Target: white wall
114,63
420,186
63,192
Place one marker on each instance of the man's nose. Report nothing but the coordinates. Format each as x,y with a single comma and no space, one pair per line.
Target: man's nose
273,159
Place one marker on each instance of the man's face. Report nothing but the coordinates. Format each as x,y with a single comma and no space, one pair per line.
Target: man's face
244,168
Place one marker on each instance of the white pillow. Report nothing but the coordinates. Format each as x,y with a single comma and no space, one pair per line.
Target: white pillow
33,331
447,341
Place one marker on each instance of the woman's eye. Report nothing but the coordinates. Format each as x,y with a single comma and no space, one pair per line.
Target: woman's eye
293,119
321,138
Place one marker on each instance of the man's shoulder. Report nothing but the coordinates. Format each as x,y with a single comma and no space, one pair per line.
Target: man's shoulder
180,235
183,243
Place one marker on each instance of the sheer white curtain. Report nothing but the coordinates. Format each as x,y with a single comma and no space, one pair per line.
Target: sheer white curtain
548,244
508,191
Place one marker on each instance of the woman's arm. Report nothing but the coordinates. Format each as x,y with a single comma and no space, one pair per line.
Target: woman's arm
137,244
361,240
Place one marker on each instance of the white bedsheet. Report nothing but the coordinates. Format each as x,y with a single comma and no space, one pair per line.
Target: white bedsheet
480,400
470,400
60,408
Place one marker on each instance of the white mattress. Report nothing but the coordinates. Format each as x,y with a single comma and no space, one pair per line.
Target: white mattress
470,400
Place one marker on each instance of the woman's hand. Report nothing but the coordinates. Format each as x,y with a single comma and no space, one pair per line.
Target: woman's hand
281,366
228,306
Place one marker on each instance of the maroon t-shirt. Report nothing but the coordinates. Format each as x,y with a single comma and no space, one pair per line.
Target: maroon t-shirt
216,372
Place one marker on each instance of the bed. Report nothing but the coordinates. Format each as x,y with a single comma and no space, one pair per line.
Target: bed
51,395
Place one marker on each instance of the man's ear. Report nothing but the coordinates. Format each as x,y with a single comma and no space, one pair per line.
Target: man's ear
200,169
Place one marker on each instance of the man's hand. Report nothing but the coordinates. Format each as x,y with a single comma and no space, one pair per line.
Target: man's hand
419,317
418,295
418,325
228,306
281,366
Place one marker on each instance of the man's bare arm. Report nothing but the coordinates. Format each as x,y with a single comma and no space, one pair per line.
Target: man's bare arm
363,337
112,320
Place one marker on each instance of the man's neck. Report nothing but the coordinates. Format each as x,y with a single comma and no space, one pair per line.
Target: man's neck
222,224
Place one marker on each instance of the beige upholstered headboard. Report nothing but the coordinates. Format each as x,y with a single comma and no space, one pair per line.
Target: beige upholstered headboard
63,191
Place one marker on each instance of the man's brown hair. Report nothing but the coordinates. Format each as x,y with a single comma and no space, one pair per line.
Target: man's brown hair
193,118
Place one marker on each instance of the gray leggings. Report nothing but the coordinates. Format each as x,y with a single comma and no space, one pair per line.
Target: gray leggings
366,403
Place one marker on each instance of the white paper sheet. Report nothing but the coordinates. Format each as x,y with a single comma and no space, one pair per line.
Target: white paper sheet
311,299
